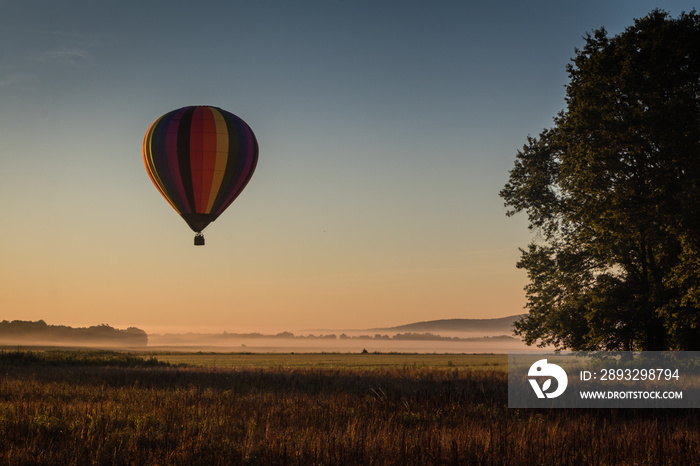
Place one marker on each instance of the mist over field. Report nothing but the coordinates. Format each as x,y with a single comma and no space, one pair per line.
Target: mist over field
437,336
311,345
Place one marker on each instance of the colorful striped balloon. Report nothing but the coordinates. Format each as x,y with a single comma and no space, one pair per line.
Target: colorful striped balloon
200,158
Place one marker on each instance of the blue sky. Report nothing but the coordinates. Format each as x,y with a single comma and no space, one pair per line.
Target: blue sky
386,130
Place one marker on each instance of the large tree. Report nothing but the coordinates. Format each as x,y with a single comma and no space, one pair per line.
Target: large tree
613,193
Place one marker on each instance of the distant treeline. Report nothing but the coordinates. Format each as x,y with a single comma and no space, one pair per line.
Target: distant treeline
27,332
332,336
424,336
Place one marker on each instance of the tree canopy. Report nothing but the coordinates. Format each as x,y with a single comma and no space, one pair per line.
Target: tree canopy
613,193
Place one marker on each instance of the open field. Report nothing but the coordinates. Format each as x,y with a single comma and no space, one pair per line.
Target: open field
120,408
338,360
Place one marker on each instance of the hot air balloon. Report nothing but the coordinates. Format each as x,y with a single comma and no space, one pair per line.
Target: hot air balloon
200,158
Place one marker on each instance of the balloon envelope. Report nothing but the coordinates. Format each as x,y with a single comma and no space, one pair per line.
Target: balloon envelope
200,158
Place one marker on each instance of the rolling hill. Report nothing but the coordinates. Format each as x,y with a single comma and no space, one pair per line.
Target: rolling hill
501,326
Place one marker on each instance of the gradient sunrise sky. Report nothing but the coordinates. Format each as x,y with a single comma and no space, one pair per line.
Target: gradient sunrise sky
386,130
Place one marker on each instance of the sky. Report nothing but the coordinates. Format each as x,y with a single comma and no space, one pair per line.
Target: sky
386,130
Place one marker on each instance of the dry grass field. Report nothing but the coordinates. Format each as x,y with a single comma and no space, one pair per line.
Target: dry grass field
85,407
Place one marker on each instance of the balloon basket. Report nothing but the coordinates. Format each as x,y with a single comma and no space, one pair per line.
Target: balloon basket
199,239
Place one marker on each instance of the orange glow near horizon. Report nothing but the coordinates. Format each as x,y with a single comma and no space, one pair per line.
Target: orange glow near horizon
198,289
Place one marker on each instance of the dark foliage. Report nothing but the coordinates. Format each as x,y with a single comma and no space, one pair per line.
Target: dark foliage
613,190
